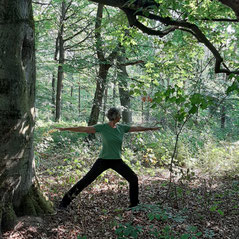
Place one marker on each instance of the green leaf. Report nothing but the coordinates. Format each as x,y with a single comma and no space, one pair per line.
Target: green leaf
180,100
158,216
213,208
185,236
196,98
193,110
151,216
198,234
220,212
231,88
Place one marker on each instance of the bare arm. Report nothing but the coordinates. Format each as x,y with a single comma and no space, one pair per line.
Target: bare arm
82,129
140,128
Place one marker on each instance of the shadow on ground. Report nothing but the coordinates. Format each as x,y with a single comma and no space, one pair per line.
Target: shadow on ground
200,207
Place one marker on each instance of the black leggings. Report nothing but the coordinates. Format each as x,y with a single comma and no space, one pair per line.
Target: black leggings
99,167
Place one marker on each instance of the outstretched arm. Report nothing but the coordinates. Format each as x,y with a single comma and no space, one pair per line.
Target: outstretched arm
140,128
82,129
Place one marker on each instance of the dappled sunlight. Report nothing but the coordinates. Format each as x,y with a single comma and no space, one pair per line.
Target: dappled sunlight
102,207
26,227
197,199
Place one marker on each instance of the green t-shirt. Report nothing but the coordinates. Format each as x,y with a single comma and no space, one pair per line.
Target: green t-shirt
112,139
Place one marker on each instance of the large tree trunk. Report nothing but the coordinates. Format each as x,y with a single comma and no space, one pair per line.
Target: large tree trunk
17,112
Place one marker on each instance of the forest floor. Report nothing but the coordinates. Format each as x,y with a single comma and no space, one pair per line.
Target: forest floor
195,205
200,207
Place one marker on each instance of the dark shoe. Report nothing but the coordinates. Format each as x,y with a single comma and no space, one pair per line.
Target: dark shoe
62,206
65,201
133,205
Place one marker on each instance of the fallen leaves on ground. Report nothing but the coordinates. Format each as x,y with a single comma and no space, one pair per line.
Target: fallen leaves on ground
199,208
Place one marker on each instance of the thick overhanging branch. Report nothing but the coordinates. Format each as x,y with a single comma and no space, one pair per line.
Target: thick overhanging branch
183,26
134,22
219,20
233,4
193,29
130,63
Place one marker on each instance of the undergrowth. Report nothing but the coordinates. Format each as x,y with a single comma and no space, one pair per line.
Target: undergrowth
64,157
140,150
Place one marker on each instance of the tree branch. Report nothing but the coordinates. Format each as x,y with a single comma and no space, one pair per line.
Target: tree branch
219,20
131,63
78,43
77,33
184,26
233,4
40,3
132,13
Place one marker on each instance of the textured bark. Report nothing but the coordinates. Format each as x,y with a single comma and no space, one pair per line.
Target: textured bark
105,103
79,99
61,61
17,112
104,64
223,116
123,90
53,94
99,93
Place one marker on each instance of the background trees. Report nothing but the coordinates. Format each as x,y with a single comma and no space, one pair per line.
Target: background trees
170,62
179,28
181,67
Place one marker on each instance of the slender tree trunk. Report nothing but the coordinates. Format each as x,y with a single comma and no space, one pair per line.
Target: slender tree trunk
142,112
17,111
223,116
114,93
53,96
99,93
71,99
79,100
105,103
147,111
104,65
61,61
123,90
72,89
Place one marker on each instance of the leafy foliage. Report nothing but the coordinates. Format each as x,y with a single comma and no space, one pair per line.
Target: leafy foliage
174,86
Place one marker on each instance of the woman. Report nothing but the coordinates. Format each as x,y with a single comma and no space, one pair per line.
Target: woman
110,156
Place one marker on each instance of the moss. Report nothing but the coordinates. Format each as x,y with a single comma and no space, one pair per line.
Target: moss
34,204
43,205
26,207
9,217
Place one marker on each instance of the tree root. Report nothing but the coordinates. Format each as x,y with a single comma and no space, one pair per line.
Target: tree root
32,204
